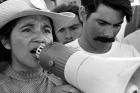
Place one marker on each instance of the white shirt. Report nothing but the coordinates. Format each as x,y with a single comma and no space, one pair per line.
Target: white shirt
118,50
87,65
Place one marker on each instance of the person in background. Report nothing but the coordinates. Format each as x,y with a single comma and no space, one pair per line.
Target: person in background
135,22
102,21
71,30
23,27
133,39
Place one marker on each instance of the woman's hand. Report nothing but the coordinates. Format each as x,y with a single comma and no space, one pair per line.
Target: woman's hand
61,86
65,89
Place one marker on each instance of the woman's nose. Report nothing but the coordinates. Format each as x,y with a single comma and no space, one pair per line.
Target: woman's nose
39,38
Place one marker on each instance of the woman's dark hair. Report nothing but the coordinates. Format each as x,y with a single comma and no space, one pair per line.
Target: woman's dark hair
5,54
121,5
5,32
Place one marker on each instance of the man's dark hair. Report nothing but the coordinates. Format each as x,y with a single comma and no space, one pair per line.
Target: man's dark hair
121,5
67,8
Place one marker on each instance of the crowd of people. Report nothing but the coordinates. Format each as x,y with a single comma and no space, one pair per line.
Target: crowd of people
91,27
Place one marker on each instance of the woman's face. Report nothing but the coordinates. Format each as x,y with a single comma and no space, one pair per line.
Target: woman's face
26,36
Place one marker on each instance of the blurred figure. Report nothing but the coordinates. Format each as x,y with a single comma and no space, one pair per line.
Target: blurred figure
71,30
133,39
135,22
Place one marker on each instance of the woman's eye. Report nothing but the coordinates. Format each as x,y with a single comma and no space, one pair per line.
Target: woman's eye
26,30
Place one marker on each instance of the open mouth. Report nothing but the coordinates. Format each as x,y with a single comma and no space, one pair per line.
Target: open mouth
33,51
37,51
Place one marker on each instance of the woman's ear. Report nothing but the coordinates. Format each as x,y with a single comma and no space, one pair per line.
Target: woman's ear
6,43
82,14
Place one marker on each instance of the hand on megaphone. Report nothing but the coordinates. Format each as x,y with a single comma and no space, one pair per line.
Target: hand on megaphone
65,89
60,86
53,57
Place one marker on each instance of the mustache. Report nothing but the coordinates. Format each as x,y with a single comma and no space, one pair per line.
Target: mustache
105,39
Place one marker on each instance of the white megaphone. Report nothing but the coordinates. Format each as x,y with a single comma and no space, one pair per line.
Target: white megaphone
92,74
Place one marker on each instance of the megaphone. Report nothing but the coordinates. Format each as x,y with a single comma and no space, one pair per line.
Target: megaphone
90,73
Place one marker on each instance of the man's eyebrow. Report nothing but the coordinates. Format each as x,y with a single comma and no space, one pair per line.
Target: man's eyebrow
103,21
108,22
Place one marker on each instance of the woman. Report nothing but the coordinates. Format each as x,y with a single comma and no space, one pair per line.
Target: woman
23,27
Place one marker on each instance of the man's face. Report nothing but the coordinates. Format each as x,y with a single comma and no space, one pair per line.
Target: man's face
26,36
70,31
102,26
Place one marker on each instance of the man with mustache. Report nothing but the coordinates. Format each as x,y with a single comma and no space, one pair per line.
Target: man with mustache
102,21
